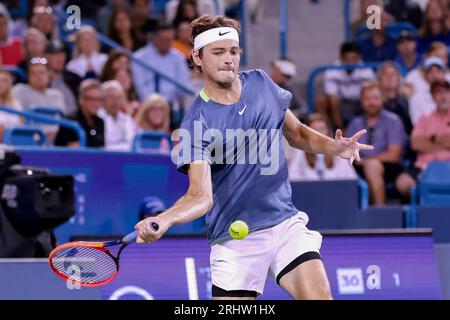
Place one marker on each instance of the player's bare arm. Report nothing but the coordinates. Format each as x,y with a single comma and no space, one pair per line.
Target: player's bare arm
195,203
301,136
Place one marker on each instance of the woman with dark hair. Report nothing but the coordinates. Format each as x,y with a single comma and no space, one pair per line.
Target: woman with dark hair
183,41
118,68
186,10
122,30
434,27
117,60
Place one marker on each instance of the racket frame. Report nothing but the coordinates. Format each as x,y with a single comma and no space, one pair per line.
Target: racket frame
100,246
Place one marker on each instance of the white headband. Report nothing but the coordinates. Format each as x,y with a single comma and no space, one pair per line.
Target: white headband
216,34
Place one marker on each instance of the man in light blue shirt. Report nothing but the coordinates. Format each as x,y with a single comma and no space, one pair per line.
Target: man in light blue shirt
161,56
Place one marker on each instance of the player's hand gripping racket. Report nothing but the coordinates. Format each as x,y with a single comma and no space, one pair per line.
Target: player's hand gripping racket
90,264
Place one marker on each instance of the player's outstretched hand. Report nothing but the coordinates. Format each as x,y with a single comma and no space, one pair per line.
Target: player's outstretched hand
146,234
348,148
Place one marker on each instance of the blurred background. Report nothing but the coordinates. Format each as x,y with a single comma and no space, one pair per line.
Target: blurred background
91,91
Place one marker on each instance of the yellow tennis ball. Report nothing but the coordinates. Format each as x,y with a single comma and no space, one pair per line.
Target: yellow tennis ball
238,230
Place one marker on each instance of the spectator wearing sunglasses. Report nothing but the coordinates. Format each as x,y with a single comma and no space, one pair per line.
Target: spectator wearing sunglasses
90,100
386,133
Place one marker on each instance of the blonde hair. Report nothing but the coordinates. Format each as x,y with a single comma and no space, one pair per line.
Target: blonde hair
141,116
7,98
83,30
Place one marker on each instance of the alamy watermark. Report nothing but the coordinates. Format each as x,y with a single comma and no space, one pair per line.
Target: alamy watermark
73,21
374,19
234,146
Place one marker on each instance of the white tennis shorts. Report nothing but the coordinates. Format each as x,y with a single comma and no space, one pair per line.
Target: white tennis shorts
245,264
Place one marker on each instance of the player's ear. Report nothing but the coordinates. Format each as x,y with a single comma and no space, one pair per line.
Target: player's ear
196,58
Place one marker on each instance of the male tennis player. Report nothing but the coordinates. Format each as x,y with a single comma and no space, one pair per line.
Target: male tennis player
279,242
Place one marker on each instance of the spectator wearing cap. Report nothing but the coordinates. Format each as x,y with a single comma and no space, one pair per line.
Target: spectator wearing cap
386,133
10,47
88,62
281,71
61,78
120,127
408,57
431,135
415,79
90,100
150,207
421,101
343,87
160,54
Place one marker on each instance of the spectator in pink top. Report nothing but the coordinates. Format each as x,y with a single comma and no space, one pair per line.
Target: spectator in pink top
431,135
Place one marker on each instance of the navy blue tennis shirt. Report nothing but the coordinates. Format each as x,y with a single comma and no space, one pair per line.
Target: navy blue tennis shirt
243,144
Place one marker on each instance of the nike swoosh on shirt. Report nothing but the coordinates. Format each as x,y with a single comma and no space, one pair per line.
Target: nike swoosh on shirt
223,33
241,112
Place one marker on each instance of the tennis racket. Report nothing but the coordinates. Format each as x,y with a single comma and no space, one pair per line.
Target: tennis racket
90,264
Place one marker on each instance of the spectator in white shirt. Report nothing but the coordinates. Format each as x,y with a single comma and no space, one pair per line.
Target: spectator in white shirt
120,127
88,62
343,87
304,166
38,94
421,102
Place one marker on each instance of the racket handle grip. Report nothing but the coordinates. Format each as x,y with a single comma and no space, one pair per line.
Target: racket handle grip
131,237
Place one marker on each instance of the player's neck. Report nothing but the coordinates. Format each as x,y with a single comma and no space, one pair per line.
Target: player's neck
223,95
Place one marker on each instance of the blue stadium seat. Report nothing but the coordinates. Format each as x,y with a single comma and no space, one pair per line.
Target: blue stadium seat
433,190
434,184
24,136
149,141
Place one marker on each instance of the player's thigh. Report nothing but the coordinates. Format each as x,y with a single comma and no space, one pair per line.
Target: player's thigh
308,281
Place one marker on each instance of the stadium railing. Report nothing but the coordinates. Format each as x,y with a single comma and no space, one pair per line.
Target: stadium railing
49,120
321,69
45,111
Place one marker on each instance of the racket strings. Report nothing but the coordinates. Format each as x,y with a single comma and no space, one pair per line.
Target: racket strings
84,264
